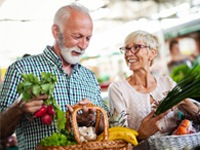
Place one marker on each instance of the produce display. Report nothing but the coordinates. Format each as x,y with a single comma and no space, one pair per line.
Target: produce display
179,72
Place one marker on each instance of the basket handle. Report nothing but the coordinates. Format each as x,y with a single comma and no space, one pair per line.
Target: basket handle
78,107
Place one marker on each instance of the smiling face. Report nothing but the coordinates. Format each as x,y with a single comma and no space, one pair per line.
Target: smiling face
142,58
138,60
73,36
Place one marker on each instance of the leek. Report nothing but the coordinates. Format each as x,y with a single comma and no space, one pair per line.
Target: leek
189,87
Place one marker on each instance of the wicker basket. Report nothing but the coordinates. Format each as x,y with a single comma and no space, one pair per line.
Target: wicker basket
94,145
175,142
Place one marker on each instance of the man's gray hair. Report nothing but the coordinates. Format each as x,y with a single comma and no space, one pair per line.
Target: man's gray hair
64,12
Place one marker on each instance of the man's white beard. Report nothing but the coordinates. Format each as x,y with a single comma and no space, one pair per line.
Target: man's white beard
67,52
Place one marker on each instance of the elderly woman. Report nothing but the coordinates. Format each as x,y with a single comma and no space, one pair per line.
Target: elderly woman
140,93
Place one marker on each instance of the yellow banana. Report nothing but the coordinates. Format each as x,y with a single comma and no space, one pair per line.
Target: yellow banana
117,128
121,133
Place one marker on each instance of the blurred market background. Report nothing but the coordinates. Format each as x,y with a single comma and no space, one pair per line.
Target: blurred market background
25,27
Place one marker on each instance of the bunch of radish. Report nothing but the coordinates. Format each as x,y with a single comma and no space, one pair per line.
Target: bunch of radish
46,113
32,86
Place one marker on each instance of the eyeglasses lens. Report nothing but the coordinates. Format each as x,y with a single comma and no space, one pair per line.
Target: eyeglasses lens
136,48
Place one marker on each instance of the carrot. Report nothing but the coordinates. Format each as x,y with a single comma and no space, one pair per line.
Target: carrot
181,130
185,123
183,127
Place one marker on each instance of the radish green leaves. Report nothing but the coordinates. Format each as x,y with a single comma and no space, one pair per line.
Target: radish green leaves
32,86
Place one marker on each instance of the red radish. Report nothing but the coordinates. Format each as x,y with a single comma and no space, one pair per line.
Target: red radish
47,119
50,110
41,111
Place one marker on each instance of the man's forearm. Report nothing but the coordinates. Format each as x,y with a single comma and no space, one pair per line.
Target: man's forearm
9,119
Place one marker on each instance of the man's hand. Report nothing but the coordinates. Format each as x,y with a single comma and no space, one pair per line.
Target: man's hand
32,105
12,116
87,117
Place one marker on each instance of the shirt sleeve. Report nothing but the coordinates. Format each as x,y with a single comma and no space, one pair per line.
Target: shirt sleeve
9,89
97,100
116,102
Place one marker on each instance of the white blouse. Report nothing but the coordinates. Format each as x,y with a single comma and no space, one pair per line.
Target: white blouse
122,96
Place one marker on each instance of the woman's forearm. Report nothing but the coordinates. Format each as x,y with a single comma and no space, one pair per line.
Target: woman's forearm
190,107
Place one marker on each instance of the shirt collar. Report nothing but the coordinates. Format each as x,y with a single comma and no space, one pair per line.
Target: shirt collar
54,59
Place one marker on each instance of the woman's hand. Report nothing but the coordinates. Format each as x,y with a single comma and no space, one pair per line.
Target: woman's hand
150,125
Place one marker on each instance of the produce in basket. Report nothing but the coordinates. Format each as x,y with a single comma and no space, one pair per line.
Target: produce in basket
61,138
87,134
111,138
121,133
185,127
188,87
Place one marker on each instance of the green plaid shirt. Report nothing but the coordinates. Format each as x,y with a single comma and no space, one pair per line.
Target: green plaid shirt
69,90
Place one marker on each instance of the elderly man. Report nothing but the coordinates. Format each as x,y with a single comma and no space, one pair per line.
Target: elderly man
72,31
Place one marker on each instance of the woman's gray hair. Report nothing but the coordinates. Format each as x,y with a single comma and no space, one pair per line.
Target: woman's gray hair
64,12
145,37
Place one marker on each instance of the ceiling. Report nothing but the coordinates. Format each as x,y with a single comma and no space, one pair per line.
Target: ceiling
25,24
119,10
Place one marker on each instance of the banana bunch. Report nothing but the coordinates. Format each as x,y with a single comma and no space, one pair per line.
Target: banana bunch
121,133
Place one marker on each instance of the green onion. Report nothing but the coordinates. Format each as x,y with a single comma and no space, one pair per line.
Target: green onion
188,87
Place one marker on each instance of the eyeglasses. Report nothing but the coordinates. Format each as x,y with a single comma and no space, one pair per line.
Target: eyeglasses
134,48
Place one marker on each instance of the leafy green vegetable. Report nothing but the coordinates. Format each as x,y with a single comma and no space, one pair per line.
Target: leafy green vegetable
32,87
58,139
186,88
61,120
179,72
62,138
69,135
